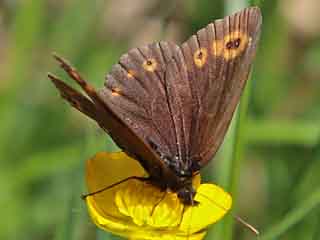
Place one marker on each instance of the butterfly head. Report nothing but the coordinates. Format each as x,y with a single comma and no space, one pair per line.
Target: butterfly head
186,195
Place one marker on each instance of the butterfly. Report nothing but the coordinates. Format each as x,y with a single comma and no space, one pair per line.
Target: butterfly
169,106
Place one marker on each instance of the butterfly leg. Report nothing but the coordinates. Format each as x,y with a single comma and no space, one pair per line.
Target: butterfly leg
157,204
182,213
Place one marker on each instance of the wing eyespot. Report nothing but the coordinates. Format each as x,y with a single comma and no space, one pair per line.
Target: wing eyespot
231,46
150,65
200,57
235,43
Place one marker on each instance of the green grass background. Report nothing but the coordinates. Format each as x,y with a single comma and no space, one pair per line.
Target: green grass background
270,160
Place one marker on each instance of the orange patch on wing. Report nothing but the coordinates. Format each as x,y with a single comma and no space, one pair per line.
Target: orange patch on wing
115,92
217,48
130,74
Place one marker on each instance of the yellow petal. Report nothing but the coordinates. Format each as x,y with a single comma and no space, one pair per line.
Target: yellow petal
165,236
146,205
214,203
139,210
105,169
126,228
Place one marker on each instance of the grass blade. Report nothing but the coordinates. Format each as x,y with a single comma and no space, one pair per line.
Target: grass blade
293,217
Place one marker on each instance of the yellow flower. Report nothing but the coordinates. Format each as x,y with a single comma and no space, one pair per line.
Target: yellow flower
139,210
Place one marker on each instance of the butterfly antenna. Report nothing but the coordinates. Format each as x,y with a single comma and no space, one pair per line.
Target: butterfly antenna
84,196
247,225
237,218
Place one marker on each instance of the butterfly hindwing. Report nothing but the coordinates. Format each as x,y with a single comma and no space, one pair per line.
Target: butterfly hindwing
151,99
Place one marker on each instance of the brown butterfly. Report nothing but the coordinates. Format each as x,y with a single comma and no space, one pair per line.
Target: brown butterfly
169,106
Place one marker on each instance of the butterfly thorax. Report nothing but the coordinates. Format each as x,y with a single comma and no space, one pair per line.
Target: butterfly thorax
181,168
177,177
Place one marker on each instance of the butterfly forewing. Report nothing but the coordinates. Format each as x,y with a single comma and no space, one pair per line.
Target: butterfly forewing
183,102
218,60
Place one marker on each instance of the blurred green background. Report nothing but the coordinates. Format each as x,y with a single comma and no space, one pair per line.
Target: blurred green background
44,143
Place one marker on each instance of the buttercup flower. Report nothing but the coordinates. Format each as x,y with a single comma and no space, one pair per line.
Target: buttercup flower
139,210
